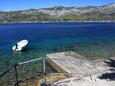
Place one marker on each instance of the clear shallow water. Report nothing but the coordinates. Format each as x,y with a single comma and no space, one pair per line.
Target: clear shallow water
93,40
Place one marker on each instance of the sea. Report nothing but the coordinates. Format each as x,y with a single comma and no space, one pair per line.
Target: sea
90,39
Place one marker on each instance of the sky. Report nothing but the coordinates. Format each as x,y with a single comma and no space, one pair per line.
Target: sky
11,5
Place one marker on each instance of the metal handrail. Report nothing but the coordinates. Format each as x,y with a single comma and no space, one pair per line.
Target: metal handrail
33,60
22,63
5,72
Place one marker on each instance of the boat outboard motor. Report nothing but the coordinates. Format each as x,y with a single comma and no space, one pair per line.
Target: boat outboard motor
16,47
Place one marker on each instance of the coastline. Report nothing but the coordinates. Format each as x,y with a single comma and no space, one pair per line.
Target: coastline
57,22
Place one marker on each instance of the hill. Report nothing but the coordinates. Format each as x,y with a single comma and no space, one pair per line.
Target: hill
60,13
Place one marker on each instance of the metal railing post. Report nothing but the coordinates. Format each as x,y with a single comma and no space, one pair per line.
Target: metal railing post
44,69
44,66
16,74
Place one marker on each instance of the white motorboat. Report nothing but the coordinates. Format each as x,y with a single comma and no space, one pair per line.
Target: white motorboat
20,45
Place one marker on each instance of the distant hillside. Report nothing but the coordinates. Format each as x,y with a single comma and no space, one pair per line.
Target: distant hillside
60,13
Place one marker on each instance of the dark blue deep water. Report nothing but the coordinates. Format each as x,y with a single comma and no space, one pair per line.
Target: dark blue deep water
93,40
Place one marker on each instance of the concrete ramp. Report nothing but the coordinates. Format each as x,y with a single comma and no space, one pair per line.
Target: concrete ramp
76,65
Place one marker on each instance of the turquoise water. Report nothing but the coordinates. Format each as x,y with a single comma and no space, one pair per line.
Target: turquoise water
93,40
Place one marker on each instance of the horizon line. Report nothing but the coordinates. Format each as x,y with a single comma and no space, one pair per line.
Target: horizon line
53,7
